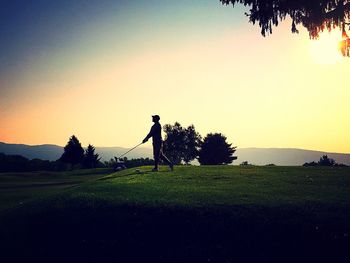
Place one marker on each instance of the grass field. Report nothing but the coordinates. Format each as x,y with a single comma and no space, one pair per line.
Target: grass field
19,188
206,214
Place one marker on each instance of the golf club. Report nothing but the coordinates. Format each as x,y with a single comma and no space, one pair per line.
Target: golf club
128,151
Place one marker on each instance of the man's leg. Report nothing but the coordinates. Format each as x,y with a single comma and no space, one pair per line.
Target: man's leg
156,155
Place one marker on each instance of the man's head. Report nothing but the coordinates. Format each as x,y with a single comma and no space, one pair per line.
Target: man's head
155,118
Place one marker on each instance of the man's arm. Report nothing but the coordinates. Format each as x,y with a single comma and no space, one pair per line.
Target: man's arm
149,135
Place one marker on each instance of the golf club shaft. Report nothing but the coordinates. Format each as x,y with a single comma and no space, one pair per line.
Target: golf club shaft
130,150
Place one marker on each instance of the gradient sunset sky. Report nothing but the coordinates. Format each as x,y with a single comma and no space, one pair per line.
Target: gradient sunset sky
100,69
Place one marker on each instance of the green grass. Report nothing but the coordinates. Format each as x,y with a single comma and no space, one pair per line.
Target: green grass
17,189
189,186
220,213
226,185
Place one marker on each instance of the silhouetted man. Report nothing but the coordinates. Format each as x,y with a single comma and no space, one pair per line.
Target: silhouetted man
156,134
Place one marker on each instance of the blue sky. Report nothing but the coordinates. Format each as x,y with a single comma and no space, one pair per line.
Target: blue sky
32,28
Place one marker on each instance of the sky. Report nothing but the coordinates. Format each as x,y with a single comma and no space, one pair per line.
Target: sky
100,69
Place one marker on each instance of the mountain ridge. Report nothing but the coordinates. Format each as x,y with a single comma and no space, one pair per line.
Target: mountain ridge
254,155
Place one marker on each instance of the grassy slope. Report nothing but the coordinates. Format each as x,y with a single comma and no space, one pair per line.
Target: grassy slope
215,213
227,185
19,188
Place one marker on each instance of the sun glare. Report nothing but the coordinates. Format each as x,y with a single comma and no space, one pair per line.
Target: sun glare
325,50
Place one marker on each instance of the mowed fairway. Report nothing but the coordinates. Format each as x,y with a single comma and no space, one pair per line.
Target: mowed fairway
19,188
206,214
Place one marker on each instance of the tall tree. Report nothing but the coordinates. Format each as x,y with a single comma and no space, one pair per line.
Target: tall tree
73,152
174,143
91,159
181,144
215,150
192,144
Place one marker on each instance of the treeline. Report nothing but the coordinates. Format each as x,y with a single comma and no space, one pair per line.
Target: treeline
74,157
325,161
18,163
183,145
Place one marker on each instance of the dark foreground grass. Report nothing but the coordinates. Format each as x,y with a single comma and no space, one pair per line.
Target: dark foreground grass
195,214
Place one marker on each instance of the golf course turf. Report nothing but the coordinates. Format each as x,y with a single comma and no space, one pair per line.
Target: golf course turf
193,214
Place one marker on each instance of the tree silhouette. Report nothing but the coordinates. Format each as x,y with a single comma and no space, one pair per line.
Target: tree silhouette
326,161
13,163
181,144
18,163
91,159
174,143
314,15
215,150
73,152
192,144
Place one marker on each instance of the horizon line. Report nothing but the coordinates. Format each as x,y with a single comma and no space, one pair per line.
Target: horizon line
249,147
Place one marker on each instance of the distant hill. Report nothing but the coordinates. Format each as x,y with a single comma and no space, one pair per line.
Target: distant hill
45,152
259,156
285,156
53,152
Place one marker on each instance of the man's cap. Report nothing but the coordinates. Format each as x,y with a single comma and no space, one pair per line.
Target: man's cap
156,117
